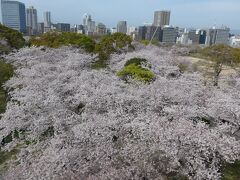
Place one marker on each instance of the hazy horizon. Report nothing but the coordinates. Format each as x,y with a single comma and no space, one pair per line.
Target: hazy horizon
184,13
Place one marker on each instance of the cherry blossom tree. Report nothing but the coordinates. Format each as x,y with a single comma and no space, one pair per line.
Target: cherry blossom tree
89,124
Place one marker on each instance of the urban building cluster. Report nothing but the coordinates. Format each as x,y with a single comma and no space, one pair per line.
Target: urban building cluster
14,15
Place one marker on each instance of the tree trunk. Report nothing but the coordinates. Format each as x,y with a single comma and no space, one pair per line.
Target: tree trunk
217,71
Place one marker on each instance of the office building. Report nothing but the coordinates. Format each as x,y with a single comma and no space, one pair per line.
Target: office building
131,30
153,33
142,33
194,36
161,18
86,19
222,36
149,32
169,35
32,24
202,36
101,29
40,28
217,36
89,24
14,15
184,39
63,27
113,30
47,21
122,27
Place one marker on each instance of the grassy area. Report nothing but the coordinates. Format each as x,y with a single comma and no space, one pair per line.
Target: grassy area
231,171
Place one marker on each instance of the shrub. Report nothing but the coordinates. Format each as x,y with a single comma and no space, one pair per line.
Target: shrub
57,39
182,67
133,69
6,71
136,61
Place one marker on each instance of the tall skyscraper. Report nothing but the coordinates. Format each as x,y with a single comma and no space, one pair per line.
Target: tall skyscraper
89,24
122,27
161,18
47,21
14,15
86,18
32,24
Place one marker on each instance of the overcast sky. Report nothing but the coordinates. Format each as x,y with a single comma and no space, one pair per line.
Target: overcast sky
184,13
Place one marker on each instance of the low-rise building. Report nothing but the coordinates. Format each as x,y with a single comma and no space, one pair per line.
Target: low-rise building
235,41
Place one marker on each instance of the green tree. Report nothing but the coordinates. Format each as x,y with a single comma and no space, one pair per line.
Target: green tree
13,38
133,68
57,39
109,44
221,55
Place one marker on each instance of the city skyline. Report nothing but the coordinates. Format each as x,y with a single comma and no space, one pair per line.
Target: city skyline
183,13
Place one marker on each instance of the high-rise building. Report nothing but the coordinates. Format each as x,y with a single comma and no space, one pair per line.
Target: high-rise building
32,24
47,21
169,35
222,36
86,19
202,36
141,33
40,28
131,30
153,33
149,32
63,27
89,24
161,18
101,29
122,27
14,15
217,36
194,36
